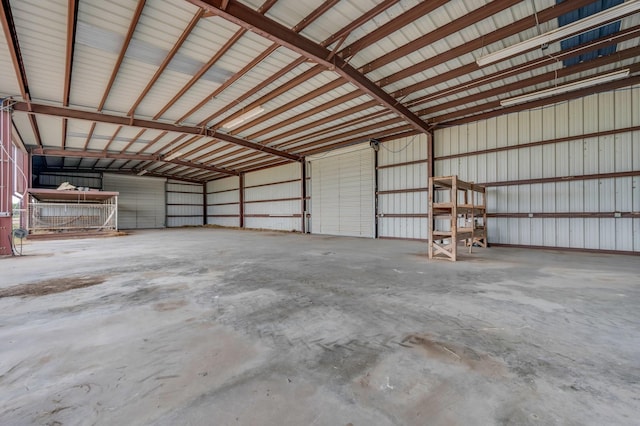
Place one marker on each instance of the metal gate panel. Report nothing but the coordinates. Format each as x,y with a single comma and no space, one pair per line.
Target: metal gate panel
141,203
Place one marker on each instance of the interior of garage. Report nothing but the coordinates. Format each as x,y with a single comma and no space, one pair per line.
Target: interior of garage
271,164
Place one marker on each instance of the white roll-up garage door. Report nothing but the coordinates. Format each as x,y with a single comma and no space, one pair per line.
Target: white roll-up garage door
342,193
141,203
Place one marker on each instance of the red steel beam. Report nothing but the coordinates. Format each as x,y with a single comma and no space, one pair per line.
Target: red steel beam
452,119
196,18
340,34
254,21
123,51
8,26
117,156
148,124
428,38
6,181
215,58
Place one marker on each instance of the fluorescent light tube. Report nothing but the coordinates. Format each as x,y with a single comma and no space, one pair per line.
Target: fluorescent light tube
597,20
142,172
570,87
172,156
242,118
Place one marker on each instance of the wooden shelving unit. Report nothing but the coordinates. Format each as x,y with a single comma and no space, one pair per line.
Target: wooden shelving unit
457,212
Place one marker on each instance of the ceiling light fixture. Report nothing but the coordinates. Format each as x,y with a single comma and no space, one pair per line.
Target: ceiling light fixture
570,87
172,156
596,20
143,172
242,118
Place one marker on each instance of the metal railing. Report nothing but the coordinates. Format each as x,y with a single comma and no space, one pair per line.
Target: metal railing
56,217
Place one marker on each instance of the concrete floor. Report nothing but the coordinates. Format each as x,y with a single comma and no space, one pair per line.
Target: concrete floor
222,327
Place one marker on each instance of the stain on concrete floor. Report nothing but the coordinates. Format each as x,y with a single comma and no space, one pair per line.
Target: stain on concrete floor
51,286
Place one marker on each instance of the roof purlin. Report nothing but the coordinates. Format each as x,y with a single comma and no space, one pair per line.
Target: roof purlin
252,20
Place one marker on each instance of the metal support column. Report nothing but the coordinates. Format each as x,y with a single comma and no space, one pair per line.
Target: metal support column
6,179
241,200
205,201
303,189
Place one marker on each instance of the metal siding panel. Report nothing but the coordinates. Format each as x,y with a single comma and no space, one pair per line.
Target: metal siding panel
273,191
481,168
576,196
230,209
501,196
606,154
343,194
442,140
549,236
141,203
184,187
576,233
524,231
549,197
491,168
492,199
513,195
41,31
274,209
548,123
492,131
274,174
563,232
607,228
591,233
181,198
502,134
513,233
590,114
607,192
536,198
563,195
624,234
231,182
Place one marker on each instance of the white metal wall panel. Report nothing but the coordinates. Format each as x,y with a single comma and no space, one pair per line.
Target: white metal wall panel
402,188
565,162
53,180
342,191
223,207
184,204
273,198
141,203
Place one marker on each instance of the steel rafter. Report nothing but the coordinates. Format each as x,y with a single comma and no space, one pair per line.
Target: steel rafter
99,155
148,124
254,21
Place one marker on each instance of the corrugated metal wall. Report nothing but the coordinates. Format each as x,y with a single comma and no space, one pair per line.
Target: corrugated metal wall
342,192
223,202
141,203
185,203
54,179
402,188
273,198
567,175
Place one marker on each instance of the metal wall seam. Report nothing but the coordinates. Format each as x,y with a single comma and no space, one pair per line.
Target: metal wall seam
272,198
222,191
614,153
